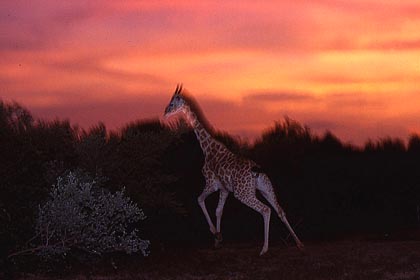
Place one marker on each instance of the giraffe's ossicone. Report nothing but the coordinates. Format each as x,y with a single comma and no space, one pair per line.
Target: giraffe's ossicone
226,172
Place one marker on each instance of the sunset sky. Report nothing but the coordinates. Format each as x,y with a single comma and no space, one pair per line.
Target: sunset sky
351,67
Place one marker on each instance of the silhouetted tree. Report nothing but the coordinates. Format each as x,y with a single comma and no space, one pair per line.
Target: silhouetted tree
414,144
386,145
21,176
331,144
93,149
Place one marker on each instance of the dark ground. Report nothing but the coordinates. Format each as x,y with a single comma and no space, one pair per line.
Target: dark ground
354,259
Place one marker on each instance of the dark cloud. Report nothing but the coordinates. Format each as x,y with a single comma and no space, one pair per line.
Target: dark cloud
93,65
345,79
86,110
279,97
341,79
115,112
396,45
354,100
348,44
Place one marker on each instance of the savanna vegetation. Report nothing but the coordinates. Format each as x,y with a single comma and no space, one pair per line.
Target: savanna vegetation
329,189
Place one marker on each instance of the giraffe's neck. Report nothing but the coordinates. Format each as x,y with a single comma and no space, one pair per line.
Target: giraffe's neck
203,136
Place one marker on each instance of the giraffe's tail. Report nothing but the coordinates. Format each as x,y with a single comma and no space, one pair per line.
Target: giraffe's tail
257,171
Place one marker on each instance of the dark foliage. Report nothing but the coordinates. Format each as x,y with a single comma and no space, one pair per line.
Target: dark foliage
327,187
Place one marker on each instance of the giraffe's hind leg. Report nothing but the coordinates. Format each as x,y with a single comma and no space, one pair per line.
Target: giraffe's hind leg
219,212
266,188
251,201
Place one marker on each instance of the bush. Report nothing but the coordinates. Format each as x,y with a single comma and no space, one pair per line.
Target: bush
80,215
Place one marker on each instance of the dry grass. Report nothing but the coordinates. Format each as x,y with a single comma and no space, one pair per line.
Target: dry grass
337,260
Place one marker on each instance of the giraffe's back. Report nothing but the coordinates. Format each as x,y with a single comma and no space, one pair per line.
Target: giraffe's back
234,172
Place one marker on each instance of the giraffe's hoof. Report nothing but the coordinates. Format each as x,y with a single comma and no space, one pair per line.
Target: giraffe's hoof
301,247
213,230
218,236
263,251
218,240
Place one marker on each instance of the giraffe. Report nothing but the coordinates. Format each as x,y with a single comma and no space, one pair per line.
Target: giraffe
226,172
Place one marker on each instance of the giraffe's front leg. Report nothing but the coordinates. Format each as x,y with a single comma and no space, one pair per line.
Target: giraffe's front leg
219,212
201,201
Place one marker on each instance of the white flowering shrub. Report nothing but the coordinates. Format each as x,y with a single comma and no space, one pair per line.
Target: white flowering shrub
80,215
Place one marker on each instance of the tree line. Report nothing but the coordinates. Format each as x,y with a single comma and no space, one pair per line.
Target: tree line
327,187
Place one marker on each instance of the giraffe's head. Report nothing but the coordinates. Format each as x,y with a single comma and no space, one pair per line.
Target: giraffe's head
177,103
